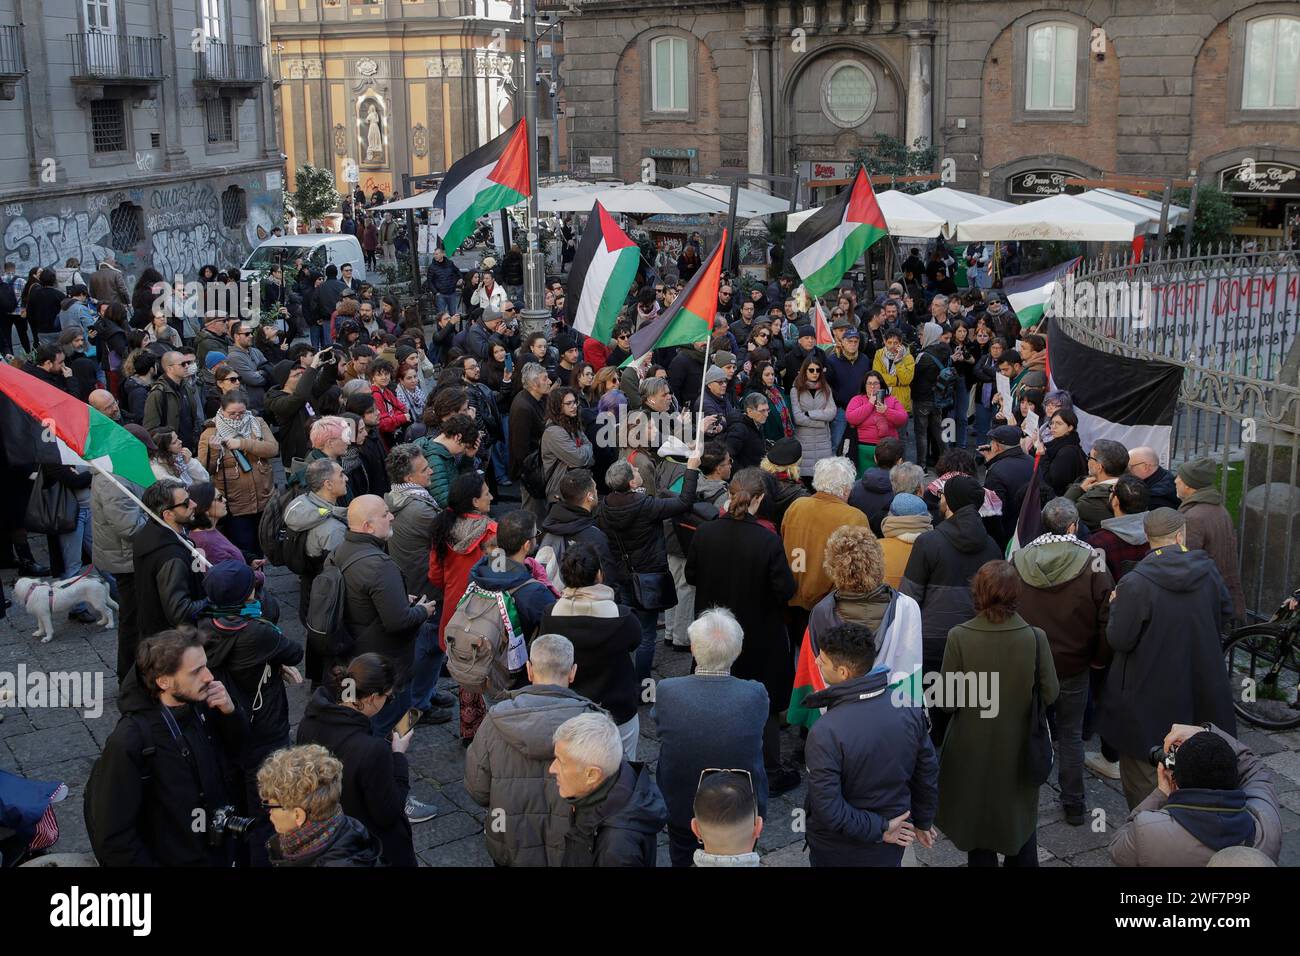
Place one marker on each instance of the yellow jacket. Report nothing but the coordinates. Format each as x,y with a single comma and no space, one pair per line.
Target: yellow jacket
900,383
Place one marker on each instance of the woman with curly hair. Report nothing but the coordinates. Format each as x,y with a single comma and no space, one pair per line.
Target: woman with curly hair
302,789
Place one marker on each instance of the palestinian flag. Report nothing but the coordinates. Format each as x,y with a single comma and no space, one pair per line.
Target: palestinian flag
494,176
831,240
807,680
1029,295
1126,399
1029,525
690,318
822,326
42,425
603,270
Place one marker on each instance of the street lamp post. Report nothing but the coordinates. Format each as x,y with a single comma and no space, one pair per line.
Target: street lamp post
535,317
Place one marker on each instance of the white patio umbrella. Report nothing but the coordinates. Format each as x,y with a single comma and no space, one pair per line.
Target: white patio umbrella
645,199
1145,220
422,200
750,203
569,197
1112,197
903,216
963,200
1059,217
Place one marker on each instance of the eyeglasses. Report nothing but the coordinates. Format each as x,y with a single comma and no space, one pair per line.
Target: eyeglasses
271,806
190,362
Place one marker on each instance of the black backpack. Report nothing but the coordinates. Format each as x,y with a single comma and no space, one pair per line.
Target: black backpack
327,632
92,782
704,509
282,545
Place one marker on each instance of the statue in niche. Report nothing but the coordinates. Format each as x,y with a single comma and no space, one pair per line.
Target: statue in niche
374,139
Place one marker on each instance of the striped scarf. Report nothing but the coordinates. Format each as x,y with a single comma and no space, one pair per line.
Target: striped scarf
311,837
245,426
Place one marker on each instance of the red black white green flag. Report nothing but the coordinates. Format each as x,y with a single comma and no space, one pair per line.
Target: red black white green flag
690,318
828,243
603,270
494,176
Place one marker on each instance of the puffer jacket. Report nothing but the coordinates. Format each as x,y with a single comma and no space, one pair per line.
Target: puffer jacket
247,492
633,522
939,573
377,613
873,426
1187,827
1066,597
813,413
413,517
506,770
561,453
324,523
872,494
114,518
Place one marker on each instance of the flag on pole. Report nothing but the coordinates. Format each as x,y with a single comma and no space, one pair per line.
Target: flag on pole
42,425
831,240
492,177
690,318
603,270
1029,295
1029,525
822,326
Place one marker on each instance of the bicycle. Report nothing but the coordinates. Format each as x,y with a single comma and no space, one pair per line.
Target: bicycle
1263,662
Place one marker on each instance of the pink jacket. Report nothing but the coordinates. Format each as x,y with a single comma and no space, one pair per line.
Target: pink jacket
872,425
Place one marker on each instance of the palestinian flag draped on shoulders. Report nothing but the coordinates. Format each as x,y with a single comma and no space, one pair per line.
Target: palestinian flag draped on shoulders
40,424
604,268
828,243
690,318
495,176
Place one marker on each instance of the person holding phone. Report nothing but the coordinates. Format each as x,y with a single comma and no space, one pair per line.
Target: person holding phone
876,415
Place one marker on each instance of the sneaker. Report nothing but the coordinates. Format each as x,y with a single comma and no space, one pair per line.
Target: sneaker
782,781
444,699
1074,816
417,812
1101,766
435,715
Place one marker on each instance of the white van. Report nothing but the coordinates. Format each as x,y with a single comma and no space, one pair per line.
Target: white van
317,250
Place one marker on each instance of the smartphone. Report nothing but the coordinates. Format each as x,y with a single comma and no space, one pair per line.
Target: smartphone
407,723
510,362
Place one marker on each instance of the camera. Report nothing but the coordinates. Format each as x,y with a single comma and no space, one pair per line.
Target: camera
224,820
1158,756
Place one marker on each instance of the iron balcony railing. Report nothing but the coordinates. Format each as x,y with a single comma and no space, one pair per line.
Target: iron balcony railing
110,56
232,63
11,52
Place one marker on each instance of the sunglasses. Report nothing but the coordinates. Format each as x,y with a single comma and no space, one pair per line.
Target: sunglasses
814,371
232,378
180,504
749,779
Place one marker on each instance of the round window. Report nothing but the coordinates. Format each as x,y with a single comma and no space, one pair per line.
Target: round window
848,94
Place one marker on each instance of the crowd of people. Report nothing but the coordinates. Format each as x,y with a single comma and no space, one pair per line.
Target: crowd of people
776,510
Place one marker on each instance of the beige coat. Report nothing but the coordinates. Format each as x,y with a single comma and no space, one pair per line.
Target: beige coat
247,492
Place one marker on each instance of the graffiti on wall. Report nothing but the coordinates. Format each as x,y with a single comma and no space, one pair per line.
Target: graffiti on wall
182,222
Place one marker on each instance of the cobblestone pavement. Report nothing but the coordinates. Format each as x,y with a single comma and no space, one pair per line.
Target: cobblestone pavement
62,743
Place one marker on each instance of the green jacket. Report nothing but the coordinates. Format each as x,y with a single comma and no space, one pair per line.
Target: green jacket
445,466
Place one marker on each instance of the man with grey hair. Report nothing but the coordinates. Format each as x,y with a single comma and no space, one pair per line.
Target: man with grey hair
1107,461
506,767
805,529
1066,591
906,478
733,710
1166,616
745,439
615,809
527,424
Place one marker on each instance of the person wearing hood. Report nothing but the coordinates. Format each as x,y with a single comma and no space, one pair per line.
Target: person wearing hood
167,762
1166,618
907,520
1213,793
1209,526
1144,463
737,564
872,771
933,358
1122,538
1008,475
942,564
1065,595
873,492
253,660
506,767
376,774
986,804
615,808
302,787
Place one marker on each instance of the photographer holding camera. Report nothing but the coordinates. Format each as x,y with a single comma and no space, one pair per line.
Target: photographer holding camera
161,794
1213,793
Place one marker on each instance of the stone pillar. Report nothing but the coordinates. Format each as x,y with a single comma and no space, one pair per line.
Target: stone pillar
266,95
36,92
920,55
169,116
759,130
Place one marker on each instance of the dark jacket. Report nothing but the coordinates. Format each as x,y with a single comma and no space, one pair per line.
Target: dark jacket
738,564
134,395
527,423
139,822
376,781
507,771
293,411
869,760
240,650
1123,540
633,523
1161,490
846,377
579,525
930,362
939,573
169,591
1164,627
872,494
443,276
413,517
351,845
617,825
1064,462
1066,596
43,306
171,405
746,443
377,613
686,375
478,340
603,635
1008,474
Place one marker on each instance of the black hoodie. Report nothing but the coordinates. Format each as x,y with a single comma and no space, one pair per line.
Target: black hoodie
151,822
578,525
938,576
376,781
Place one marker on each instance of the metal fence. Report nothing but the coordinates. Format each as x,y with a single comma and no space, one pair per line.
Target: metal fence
11,52
116,57
1231,321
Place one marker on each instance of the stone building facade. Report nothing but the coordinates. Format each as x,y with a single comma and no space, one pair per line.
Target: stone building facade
373,90
1019,95
140,129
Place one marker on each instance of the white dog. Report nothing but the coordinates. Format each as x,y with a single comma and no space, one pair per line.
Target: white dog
35,595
